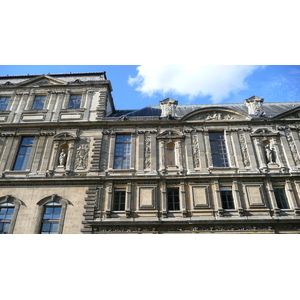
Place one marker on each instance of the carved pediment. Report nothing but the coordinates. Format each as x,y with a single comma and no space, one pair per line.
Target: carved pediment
291,114
170,134
215,114
40,81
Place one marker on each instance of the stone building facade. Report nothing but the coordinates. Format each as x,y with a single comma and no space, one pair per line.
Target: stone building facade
71,163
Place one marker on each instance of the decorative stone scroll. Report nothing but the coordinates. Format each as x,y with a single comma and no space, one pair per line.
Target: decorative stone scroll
293,147
147,152
82,152
245,153
196,153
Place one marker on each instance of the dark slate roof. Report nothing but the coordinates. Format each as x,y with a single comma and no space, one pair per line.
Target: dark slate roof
271,109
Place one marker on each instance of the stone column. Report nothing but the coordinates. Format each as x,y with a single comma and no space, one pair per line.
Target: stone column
7,153
39,154
141,152
236,197
260,155
109,195
153,151
128,200
162,162
291,197
230,149
12,152
189,154
28,104
272,197
133,151
183,200
111,151
251,151
287,150
178,146
164,199
208,149
70,155
53,161
14,101
218,201
237,149
202,152
278,157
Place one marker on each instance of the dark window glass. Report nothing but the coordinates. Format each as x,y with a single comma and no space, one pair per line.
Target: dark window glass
119,200
75,101
173,199
6,213
122,151
280,197
218,149
39,102
227,200
51,218
23,155
4,103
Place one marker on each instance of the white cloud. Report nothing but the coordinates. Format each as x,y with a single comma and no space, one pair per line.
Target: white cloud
192,81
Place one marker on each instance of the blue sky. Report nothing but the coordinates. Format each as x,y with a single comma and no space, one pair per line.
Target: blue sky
135,87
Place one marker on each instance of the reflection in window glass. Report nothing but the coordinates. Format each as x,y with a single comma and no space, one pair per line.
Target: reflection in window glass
39,102
4,103
122,151
75,101
51,218
23,155
6,213
218,149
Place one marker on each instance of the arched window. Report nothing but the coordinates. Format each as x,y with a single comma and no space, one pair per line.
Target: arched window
6,214
51,215
9,208
51,218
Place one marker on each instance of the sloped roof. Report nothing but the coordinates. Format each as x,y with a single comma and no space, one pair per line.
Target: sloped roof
271,109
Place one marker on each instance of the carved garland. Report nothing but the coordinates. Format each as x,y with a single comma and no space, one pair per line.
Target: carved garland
293,147
195,148
147,152
245,153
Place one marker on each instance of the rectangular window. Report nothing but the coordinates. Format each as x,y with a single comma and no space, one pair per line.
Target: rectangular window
227,198
173,199
23,155
39,102
4,103
119,200
122,151
75,101
218,149
281,198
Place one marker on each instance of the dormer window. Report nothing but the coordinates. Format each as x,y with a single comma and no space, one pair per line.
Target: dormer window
75,101
39,102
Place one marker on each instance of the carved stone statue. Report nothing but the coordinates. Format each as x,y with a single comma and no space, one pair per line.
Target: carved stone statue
62,158
269,154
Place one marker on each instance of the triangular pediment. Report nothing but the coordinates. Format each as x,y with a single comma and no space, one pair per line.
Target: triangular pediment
215,114
291,114
41,81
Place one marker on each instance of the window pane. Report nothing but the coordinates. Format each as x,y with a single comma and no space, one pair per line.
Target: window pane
39,102
280,197
218,149
122,151
23,155
4,103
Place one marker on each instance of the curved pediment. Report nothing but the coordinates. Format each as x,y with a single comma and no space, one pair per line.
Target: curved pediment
65,136
215,114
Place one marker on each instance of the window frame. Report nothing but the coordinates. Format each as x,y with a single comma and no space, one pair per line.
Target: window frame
53,220
70,106
35,101
26,156
125,164
280,201
224,193
172,204
223,155
119,200
41,209
5,103
17,204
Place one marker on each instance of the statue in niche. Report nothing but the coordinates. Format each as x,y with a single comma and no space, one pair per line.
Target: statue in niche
62,158
269,154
